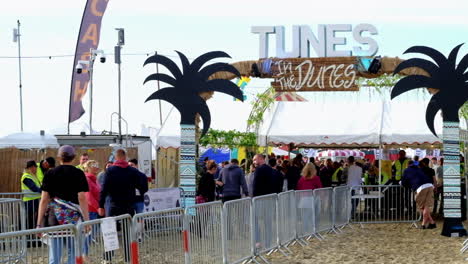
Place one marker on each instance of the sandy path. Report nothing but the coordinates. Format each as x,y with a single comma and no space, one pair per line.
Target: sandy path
379,243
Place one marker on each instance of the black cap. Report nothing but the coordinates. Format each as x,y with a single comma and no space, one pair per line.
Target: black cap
30,164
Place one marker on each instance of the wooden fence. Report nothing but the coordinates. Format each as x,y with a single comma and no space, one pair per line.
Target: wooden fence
13,161
167,167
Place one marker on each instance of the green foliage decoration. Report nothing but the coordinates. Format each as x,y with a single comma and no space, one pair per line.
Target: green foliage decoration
228,139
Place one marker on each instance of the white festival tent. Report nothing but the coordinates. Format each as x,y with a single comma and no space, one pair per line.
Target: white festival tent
29,141
348,124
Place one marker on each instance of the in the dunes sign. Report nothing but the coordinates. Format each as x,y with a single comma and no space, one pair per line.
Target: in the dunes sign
314,74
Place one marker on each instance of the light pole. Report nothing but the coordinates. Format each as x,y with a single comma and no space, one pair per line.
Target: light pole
93,54
17,38
118,61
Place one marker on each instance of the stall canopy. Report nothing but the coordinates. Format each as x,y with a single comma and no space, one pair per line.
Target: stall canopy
348,124
29,141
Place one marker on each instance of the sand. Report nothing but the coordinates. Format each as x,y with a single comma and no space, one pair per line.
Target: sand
378,243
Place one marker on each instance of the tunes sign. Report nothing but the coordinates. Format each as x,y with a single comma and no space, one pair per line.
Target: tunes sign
314,74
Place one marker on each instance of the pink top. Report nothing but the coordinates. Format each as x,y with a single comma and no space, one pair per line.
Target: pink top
309,184
93,194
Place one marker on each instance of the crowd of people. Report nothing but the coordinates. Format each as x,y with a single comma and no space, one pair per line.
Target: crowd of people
69,194
273,174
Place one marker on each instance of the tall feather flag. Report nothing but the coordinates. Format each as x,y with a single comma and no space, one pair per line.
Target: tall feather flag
88,39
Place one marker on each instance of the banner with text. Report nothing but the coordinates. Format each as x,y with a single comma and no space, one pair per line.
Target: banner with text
88,39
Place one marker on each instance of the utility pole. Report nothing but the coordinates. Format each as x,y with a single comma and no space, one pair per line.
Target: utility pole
17,38
160,110
118,61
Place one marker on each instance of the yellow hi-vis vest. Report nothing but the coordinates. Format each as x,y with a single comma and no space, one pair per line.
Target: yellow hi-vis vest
400,168
79,166
335,174
30,196
39,173
385,178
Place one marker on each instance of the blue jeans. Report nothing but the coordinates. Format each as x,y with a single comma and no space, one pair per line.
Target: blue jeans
94,231
55,250
139,207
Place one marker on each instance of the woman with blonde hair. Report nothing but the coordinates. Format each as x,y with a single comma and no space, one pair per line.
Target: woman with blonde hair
91,169
309,179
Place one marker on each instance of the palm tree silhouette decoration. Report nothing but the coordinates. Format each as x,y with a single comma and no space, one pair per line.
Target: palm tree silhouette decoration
184,94
451,82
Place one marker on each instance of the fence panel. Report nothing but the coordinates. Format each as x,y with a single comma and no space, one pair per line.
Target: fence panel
237,230
342,206
305,224
323,205
383,204
160,236
30,208
12,215
205,239
92,243
286,218
265,233
45,245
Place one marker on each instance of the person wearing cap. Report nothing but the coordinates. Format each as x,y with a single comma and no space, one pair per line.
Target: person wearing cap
64,198
31,186
44,166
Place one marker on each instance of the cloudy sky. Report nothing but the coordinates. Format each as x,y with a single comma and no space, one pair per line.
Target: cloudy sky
50,28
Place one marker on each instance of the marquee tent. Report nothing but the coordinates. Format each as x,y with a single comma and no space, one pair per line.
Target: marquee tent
348,124
29,141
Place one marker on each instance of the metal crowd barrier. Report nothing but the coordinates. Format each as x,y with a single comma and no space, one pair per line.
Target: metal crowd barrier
286,220
45,245
241,230
237,218
92,248
265,228
323,205
29,213
12,215
159,236
383,204
204,234
305,214
342,206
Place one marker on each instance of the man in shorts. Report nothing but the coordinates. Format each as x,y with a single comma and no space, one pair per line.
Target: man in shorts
414,178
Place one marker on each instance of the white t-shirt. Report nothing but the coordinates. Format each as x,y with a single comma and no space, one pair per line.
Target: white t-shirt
354,176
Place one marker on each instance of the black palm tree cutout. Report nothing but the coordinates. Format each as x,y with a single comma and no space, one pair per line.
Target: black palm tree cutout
444,75
186,85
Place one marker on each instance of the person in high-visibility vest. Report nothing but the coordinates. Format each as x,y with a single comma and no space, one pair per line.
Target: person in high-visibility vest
402,197
399,166
83,159
337,174
31,187
43,167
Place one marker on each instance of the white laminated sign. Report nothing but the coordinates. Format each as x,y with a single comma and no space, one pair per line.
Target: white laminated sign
109,234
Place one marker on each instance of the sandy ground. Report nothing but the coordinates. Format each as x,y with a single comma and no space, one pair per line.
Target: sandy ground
378,243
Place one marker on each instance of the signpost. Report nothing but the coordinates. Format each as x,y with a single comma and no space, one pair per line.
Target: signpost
314,74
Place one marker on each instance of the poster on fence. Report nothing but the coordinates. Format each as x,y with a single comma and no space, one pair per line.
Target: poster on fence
162,198
109,234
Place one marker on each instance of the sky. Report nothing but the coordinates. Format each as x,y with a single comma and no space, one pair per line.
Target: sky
50,28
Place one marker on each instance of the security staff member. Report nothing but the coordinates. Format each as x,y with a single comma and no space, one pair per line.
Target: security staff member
399,166
43,167
30,186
